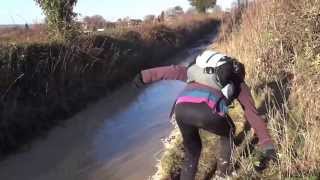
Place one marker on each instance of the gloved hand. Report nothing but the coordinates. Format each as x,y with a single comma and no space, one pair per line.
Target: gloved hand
137,81
265,157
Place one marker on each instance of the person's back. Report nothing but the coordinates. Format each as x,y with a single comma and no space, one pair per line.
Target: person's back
196,69
217,71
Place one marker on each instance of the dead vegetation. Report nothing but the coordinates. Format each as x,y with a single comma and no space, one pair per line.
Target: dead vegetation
278,41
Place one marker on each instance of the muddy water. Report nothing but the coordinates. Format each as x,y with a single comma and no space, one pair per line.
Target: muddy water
117,138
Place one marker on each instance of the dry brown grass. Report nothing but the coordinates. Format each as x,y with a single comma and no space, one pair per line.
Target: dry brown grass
279,42
184,25
35,33
277,39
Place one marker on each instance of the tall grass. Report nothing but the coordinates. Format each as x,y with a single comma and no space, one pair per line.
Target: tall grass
278,41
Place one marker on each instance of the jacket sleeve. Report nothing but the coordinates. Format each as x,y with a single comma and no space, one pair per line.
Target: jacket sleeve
251,114
173,72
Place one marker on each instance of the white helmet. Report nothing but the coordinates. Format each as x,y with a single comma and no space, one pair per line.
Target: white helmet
210,58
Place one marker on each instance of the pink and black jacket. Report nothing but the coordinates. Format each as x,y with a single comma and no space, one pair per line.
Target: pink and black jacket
199,93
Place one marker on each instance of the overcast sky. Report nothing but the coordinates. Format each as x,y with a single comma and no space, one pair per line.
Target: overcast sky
22,11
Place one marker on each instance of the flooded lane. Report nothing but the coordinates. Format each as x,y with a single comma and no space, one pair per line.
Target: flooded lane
117,138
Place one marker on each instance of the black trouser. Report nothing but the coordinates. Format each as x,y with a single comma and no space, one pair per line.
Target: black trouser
190,117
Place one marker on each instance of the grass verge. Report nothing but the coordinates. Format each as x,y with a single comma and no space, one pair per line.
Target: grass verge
278,41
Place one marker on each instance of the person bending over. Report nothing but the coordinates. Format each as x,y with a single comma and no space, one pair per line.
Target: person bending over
214,81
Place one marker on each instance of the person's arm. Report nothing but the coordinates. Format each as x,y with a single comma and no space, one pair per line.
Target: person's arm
260,128
252,116
173,72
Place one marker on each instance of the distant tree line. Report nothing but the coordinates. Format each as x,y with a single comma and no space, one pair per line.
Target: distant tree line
61,17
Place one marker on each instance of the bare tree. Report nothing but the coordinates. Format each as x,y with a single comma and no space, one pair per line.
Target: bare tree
94,22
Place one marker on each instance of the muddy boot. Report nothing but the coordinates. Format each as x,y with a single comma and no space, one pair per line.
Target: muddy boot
224,166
